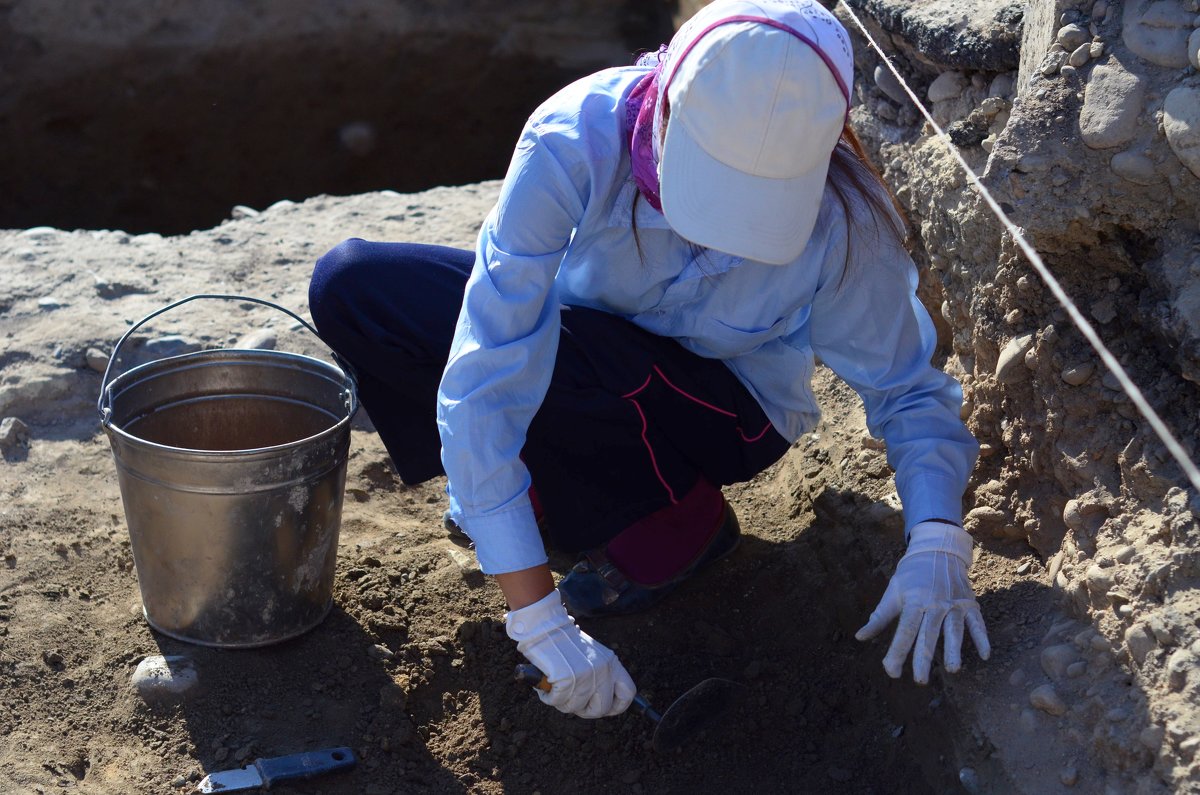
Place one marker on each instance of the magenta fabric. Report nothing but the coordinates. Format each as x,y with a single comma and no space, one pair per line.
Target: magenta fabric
660,546
639,122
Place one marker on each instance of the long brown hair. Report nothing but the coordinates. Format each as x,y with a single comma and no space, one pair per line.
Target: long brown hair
858,185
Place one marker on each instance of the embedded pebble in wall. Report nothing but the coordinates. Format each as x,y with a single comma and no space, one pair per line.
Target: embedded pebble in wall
1193,48
1135,167
889,85
1071,36
1095,49
1053,62
1080,55
1181,121
1112,106
1099,9
1001,86
1009,366
1158,32
947,85
1079,374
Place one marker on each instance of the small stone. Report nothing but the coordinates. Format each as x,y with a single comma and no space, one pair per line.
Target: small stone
947,85
1180,663
221,754
1002,86
241,211
1017,678
380,652
1052,63
263,339
1193,49
14,435
1069,775
160,678
969,780
1078,374
1009,366
1104,310
1056,659
96,359
1140,641
1077,669
1071,36
1095,49
50,303
467,563
1080,55
1025,567
1124,554
1134,167
1047,699
889,85
1028,721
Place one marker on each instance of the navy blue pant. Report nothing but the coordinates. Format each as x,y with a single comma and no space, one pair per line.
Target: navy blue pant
629,424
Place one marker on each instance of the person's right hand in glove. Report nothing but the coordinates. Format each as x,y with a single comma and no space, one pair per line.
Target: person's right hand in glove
586,678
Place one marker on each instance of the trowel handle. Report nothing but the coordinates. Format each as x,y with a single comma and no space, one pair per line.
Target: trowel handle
530,674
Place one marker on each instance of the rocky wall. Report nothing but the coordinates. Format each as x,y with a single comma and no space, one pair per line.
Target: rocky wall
1089,136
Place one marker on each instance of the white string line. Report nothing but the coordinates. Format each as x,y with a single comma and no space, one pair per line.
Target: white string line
1110,361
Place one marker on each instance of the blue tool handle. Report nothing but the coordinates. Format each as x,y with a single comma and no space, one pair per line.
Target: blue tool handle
304,765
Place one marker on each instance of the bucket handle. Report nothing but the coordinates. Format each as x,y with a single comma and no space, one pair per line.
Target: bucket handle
104,402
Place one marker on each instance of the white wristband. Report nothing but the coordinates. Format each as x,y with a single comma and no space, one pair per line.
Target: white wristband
940,537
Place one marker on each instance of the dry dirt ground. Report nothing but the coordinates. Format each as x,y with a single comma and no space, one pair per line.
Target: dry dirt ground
412,668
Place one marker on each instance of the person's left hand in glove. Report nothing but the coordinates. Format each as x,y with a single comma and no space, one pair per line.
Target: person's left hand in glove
932,596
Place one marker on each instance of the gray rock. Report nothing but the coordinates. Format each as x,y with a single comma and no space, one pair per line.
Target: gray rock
1193,48
50,303
1077,669
1010,365
242,211
96,359
1052,63
1047,699
264,339
1152,737
1073,35
947,85
159,678
1001,86
1180,663
1181,121
1080,55
889,85
1057,659
14,435
1158,31
1078,374
1112,105
1140,641
171,345
1136,168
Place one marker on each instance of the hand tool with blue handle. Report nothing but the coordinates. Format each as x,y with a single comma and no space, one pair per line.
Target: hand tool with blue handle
266,772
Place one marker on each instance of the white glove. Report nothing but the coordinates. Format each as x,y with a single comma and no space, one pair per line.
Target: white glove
931,594
586,678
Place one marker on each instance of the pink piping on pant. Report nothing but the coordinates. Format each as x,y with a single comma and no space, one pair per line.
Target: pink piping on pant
645,425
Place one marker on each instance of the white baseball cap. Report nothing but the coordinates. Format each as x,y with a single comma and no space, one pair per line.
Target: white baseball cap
758,93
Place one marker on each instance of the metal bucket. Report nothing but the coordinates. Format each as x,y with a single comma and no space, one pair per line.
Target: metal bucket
232,467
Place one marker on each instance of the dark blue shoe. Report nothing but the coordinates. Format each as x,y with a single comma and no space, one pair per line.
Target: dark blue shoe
595,587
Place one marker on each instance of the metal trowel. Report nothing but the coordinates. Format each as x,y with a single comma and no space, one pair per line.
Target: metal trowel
265,772
699,707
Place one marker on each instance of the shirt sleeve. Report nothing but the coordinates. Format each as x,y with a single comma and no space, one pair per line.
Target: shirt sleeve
869,327
504,346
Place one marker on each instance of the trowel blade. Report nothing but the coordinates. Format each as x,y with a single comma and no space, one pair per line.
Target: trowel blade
704,705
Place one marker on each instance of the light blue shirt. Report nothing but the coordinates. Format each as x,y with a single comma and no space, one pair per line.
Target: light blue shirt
561,233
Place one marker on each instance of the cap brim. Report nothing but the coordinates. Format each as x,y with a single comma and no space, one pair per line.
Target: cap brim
719,207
